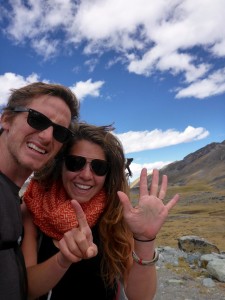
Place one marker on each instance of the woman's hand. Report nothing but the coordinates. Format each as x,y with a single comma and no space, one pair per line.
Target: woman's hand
77,243
147,217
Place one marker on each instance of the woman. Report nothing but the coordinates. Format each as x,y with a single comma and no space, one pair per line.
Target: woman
99,239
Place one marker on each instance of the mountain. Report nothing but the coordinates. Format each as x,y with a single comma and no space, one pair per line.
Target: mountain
203,169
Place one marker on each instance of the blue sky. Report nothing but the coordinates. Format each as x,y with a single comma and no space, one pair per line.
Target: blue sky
154,68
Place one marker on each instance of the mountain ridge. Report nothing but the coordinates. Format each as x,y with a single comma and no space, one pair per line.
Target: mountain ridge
204,167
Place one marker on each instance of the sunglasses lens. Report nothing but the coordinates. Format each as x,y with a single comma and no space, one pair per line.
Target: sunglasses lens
74,163
100,167
60,133
40,122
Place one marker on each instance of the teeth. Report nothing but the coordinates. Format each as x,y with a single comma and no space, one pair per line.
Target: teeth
83,187
32,146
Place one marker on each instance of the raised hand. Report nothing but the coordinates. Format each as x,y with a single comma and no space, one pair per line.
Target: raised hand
77,243
147,217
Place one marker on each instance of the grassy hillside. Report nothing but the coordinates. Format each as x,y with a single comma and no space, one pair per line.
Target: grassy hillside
200,211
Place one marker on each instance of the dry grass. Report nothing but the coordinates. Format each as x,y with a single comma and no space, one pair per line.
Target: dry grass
197,213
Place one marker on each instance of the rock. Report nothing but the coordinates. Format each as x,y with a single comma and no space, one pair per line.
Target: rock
190,250
208,282
206,258
191,275
216,268
191,243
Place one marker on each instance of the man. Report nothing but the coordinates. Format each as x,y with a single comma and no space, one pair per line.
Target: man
34,126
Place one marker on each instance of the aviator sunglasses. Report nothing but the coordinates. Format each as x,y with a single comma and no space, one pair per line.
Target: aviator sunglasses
40,122
76,163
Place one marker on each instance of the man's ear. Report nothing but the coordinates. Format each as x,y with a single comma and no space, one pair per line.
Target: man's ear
5,121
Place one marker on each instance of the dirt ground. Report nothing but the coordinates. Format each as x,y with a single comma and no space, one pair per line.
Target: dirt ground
201,214
180,286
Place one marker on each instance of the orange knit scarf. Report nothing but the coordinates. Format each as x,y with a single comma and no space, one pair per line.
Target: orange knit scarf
52,210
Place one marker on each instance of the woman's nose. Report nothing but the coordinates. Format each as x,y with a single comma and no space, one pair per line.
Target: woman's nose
86,170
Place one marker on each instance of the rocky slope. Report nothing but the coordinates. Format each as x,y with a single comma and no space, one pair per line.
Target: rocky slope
205,167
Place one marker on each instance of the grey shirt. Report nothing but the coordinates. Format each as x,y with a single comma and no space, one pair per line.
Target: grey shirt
12,270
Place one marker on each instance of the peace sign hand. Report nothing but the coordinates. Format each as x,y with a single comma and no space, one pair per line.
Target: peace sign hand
147,217
77,243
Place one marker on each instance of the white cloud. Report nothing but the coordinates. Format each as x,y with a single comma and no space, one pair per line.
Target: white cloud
150,36
135,141
136,168
45,47
214,84
38,17
83,89
10,81
91,64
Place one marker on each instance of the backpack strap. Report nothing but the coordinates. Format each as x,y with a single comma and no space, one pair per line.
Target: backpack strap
8,245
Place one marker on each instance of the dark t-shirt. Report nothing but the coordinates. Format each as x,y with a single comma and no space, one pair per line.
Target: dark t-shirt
82,281
12,271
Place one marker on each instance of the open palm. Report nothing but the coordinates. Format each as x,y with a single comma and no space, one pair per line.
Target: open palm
147,217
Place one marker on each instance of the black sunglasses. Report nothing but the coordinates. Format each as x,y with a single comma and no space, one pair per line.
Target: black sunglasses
76,163
40,122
